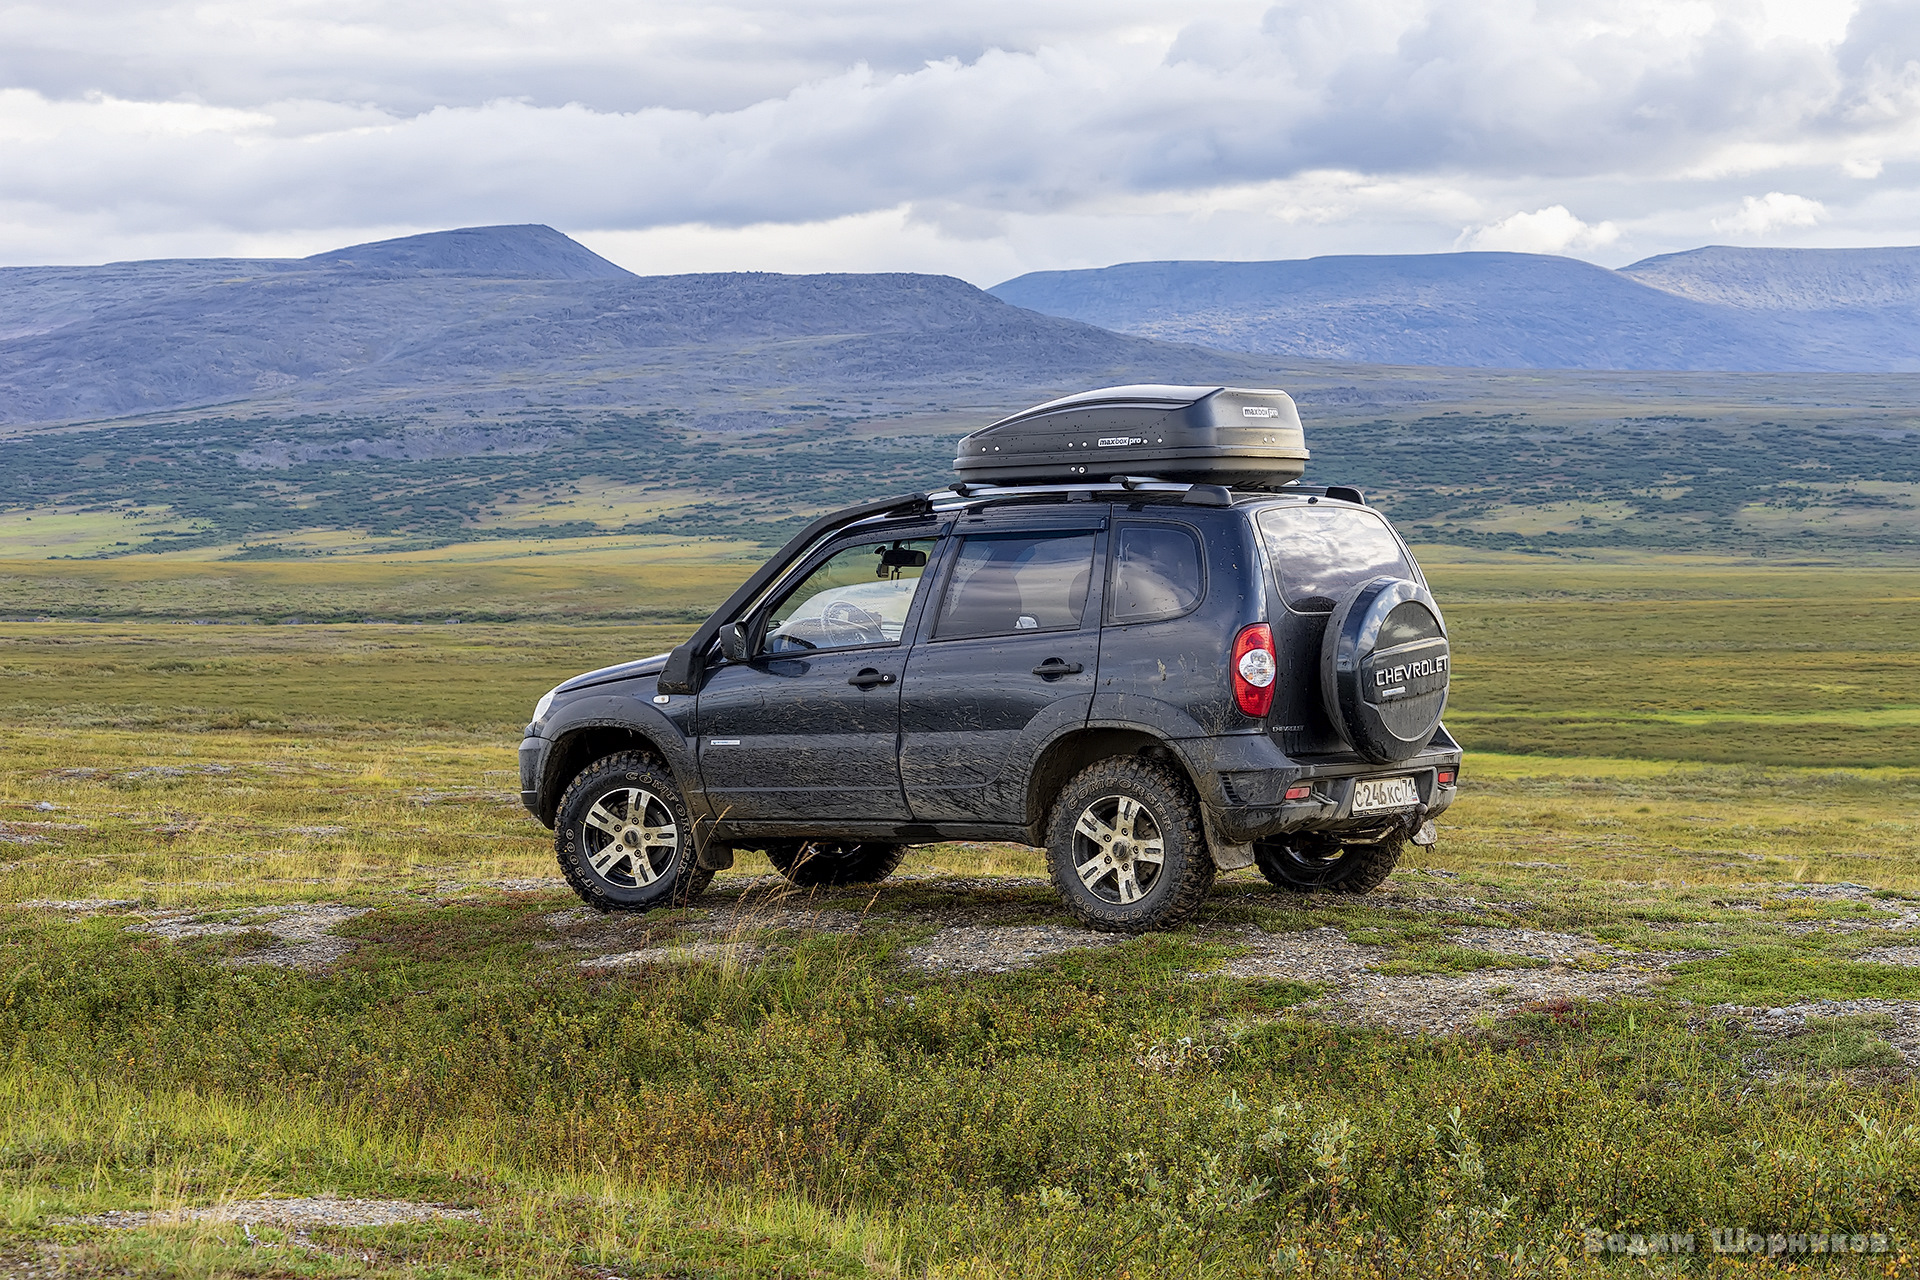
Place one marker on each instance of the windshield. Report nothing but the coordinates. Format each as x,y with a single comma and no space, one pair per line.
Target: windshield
1322,552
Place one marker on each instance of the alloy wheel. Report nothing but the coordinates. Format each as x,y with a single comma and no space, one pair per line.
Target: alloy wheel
1118,849
630,837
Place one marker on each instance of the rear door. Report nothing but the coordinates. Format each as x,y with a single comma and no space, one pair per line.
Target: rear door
1006,659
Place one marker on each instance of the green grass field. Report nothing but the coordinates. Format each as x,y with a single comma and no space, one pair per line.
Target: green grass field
1662,758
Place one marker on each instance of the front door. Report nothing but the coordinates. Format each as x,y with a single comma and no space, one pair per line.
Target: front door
808,728
1008,661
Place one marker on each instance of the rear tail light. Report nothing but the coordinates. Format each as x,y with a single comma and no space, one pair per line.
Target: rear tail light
1446,778
1300,792
1254,668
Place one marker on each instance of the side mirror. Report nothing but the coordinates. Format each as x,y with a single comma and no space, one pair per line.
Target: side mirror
735,645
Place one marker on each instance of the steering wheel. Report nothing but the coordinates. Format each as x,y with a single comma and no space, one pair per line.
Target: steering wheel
845,622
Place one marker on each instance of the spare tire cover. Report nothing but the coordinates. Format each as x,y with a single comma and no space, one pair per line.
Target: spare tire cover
1384,664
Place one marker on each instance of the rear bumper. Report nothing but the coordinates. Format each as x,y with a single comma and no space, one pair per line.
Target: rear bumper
1252,805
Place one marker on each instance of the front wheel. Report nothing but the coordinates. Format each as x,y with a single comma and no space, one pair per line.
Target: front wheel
1125,847
624,839
1303,864
828,862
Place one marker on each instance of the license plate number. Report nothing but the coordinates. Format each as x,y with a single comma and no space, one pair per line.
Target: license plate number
1371,795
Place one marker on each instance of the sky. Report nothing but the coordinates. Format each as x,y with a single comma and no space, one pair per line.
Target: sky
980,140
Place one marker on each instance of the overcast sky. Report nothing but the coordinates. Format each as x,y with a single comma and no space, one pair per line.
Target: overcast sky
982,139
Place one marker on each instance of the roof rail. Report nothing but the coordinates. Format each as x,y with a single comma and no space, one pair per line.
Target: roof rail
962,493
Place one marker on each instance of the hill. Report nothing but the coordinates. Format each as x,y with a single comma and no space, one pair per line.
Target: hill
1713,309
1787,279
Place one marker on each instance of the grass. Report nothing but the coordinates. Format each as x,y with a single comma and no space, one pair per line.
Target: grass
814,1106
1840,1044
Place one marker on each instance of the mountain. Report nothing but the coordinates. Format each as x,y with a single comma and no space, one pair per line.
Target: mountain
491,320
1713,309
528,252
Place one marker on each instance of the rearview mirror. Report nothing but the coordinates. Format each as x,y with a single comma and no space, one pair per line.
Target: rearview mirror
734,643
901,558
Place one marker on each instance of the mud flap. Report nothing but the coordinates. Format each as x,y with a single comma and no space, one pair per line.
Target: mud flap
1226,857
1427,836
715,856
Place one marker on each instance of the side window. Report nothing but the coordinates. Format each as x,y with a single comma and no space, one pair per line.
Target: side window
860,596
1003,584
1156,572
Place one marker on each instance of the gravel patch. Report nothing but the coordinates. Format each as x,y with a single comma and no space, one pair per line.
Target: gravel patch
303,932
321,1211
688,953
82,906
1316,955
1000,949
1448,1003
1536,944
530,884
1906,957
1843,891
1780,1022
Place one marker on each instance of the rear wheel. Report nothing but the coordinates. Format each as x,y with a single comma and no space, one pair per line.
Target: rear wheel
827,862
624,839
1306,863
1125,847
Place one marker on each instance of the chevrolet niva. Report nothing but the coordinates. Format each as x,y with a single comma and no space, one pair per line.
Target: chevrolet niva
1126,633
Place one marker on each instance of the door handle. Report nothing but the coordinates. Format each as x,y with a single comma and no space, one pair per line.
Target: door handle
1057,667
869,678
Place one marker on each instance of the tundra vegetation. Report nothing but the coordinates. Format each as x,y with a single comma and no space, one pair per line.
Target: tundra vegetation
275,925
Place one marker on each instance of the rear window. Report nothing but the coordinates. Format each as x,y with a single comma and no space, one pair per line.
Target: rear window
1321,553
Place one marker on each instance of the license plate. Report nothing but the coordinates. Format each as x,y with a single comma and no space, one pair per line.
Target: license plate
1371,795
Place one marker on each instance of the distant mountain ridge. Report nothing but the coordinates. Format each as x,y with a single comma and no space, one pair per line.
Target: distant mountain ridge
1787,279
1783,310
492,320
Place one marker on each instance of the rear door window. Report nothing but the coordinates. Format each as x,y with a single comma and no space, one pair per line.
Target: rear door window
1157,573
1322,552
1008,583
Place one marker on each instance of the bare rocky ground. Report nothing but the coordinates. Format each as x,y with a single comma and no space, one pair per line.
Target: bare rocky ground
297,1217
994,926
301,933
316,1211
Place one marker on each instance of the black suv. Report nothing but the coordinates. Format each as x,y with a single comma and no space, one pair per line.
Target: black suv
1157,679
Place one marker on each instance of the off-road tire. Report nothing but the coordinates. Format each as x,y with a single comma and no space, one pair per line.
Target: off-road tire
1300,867
1185,871
616,777
810,863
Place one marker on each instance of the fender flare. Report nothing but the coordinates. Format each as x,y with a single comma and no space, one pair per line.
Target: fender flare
623,712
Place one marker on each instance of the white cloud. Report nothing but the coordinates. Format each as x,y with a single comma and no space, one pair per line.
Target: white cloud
977,134
1549,230
1759,215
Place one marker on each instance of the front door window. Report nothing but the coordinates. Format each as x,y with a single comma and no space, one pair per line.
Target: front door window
859,596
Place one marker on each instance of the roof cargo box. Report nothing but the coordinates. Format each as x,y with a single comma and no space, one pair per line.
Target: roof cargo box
1201,435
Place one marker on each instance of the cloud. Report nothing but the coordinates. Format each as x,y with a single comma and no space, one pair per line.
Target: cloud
1002,129
1549,230
1760,215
